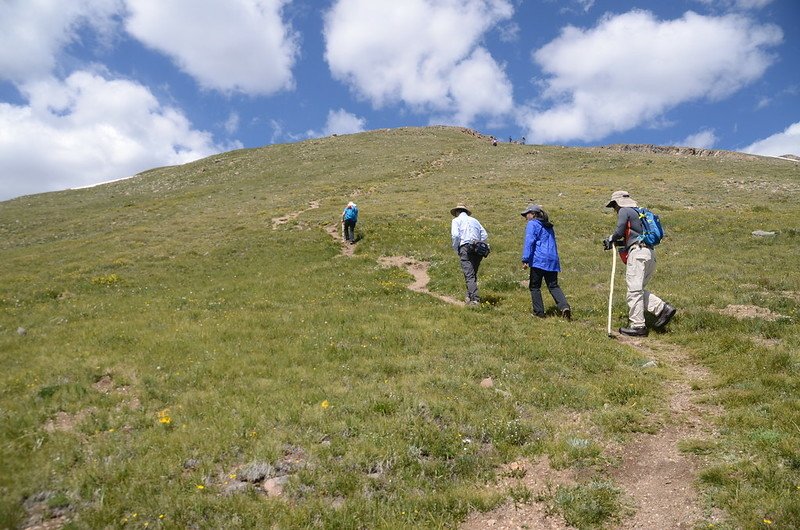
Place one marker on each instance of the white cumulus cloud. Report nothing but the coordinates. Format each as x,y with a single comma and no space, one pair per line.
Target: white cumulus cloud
631,68
34,32
342,122
233,46
782,143
705,139
88,129
421,53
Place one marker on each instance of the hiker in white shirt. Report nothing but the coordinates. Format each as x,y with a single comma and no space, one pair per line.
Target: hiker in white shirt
465,230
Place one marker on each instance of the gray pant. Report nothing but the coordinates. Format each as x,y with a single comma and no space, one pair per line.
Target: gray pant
469,266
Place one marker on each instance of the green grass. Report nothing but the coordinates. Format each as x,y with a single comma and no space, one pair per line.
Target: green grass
268,346
589,505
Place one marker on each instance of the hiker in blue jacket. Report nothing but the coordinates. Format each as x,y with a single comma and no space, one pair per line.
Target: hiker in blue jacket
540,255
349,220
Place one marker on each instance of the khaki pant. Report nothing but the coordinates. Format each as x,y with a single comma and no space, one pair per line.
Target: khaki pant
641,266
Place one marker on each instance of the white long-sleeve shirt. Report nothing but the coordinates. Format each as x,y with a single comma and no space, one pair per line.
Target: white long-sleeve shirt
465,229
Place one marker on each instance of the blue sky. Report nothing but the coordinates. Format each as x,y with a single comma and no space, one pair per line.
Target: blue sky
97,90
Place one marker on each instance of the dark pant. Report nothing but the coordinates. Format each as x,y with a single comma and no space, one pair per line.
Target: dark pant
349,230
469,266
535,285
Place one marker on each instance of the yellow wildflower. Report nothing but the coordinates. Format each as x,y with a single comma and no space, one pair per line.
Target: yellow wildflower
163,417
325,404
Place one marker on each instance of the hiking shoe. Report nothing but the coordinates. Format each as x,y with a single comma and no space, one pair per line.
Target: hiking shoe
634,332
665,316
567,314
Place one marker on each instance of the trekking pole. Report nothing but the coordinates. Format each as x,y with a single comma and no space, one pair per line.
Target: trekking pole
611,291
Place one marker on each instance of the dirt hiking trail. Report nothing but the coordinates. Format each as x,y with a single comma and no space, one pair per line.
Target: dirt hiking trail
419,270
278,221
347,248
657,479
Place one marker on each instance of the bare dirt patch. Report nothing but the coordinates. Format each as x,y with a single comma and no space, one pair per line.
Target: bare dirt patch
278,221
537,478
419,270
66,422
104,385
741,312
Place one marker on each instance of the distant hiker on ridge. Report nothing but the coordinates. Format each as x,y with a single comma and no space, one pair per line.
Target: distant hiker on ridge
641,264
349,220
540,256
465,232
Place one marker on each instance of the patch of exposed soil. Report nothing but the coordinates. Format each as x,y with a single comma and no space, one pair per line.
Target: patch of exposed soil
741,312
419,270
536,477
278,221
66,422
105,385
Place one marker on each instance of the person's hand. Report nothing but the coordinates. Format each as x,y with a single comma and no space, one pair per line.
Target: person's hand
608,244
524,266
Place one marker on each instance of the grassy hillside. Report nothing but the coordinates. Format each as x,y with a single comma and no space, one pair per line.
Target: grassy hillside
169,354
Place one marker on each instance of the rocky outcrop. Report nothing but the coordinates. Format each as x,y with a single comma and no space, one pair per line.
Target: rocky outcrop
678,151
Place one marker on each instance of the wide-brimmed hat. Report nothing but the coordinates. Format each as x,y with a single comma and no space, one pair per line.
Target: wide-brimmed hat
621,199
532,208
460,207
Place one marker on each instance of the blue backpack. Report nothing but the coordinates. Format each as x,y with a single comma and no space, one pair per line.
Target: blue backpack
653,231
351,214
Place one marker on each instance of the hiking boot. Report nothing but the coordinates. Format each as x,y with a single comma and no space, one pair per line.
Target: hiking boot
567,314
634,332
665,316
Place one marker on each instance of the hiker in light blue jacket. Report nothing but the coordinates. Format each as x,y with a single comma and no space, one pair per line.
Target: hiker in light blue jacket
349,220
540,255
